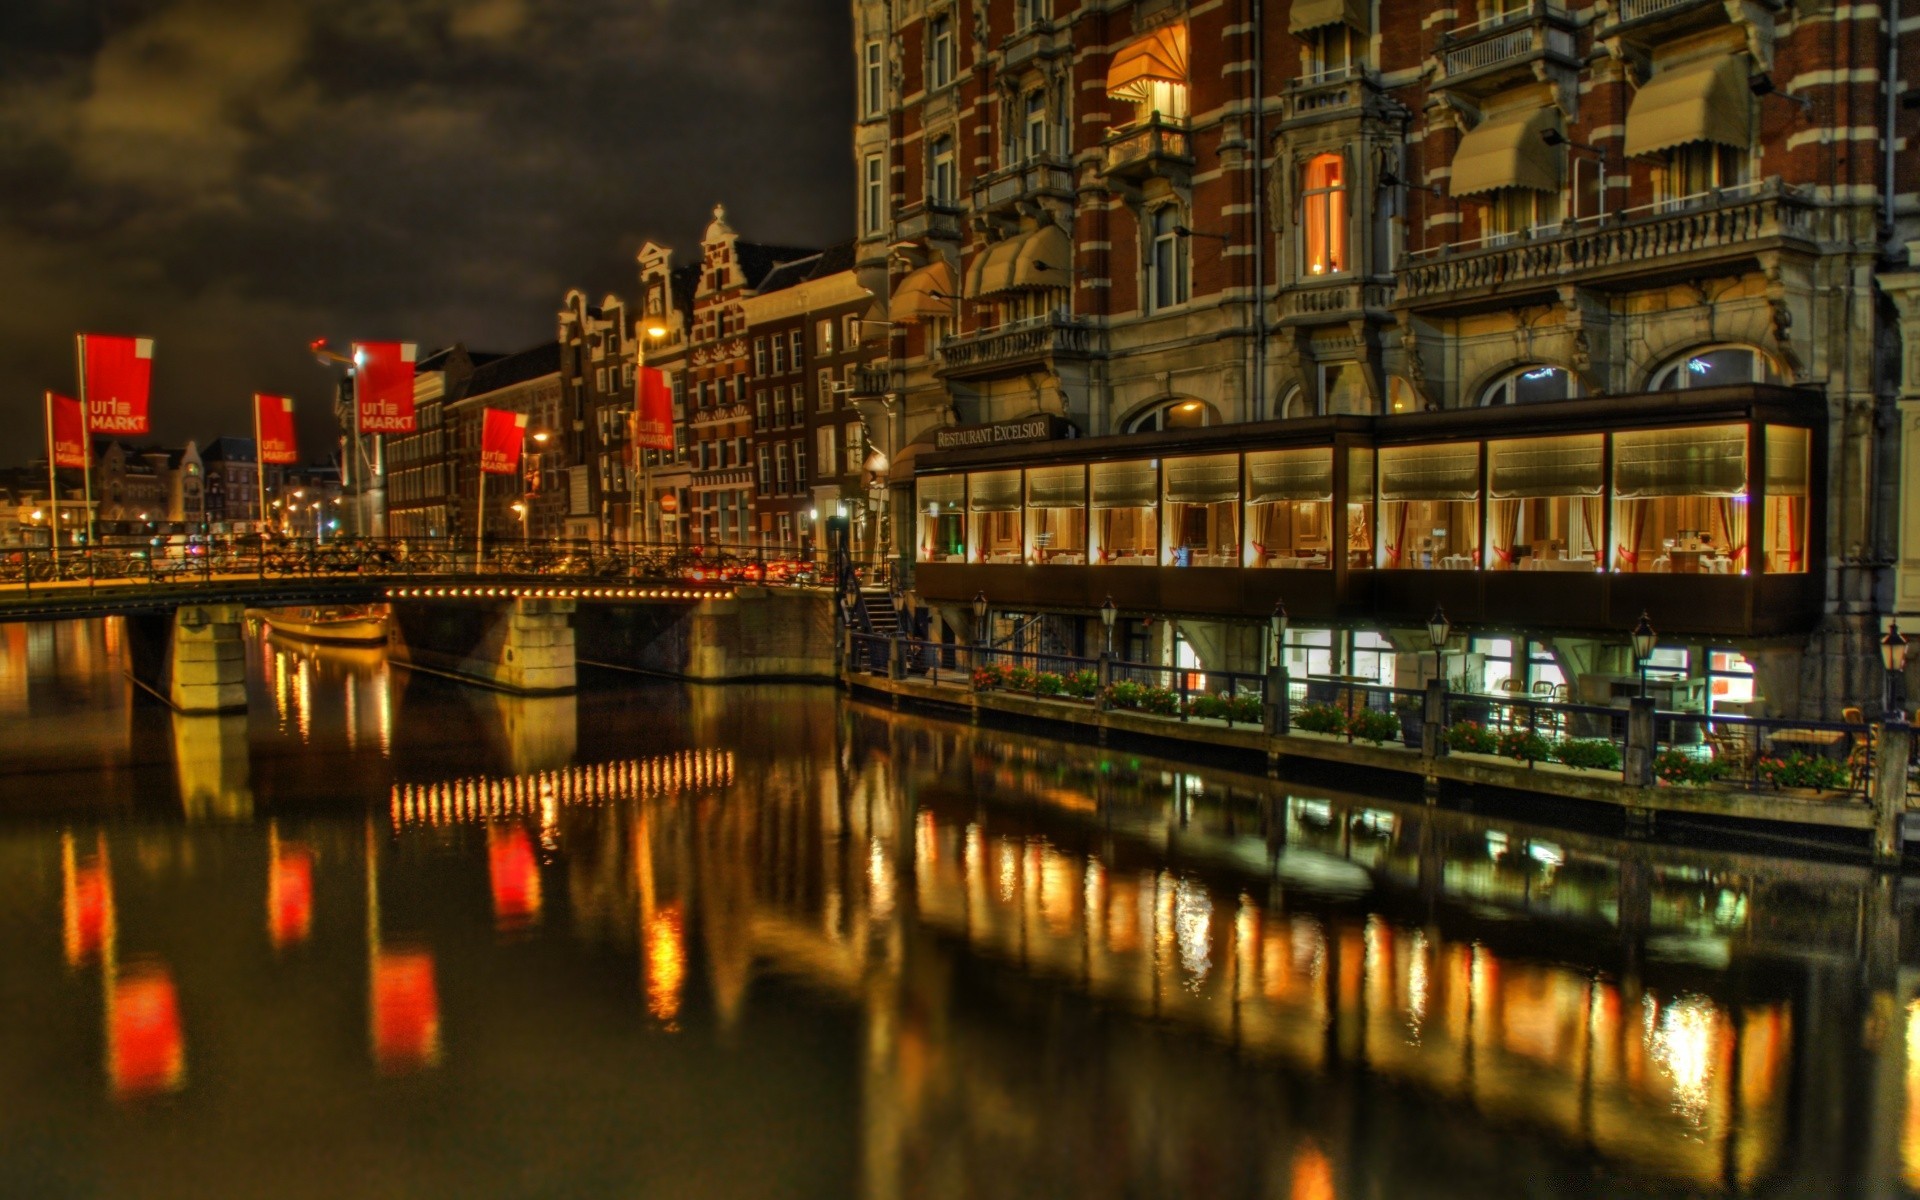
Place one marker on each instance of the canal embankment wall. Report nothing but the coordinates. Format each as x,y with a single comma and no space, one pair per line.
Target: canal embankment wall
757,633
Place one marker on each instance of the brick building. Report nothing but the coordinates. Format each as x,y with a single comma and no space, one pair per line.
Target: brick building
597,375
1382,306
419,471
528,382
663,479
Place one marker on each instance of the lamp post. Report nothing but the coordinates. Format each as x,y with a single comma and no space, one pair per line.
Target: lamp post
1893,656
1108,612
1644,638
980,618
1277,705
519,508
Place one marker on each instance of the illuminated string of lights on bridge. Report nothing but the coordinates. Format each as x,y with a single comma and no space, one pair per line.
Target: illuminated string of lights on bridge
541,793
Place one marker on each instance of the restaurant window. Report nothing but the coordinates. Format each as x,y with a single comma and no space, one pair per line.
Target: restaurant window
1124,495
1715,366
993,517
943,529
1289,508
1323,221
1430,507
1789,476
941,184
1729,682
1344,388
1680,501
1532,385
1168,282
1372,657
1057,515
1546,503
1360,507
941,64
1201,507
1309,652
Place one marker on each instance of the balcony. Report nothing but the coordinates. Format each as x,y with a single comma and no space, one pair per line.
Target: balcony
1155,147
1637,248
1005,190
1020,344
1322,303
1648,22
1331,96
1036,40
925,220
1504,49
868,383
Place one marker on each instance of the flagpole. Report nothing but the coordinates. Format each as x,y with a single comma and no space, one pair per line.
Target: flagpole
480,517
86,441
53,484
260,469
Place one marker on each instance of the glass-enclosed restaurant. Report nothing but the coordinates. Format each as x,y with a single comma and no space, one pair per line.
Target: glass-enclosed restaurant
1695,495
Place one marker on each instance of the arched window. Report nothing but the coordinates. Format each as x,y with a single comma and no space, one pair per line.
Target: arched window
1323,215
1532,385
1715,366
1174,414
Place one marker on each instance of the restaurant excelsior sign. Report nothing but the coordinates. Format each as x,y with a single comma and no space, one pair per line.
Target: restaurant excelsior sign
1026,429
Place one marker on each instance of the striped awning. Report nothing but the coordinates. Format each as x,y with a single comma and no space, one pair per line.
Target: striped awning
1318,14
1035,260
1506,151
1704,101
927,292
1156,57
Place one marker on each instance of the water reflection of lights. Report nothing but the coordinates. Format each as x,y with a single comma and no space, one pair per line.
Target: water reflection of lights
666,964
1312,1174
543,793
1418,986
1007,858
289,891
879,880
1193,925
146,1047
1683,1039
513,876
1910,1128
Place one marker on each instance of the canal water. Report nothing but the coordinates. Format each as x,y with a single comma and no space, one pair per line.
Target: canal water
387,935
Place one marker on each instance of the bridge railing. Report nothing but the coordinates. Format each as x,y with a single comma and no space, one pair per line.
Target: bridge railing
132,563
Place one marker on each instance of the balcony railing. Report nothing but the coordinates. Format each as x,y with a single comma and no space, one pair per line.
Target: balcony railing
1507,40
1143,149
1036,338
1634,10
1327,94
1636,240
1306,302
1038,175
870,381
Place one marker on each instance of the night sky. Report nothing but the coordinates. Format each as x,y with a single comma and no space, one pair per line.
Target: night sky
238,177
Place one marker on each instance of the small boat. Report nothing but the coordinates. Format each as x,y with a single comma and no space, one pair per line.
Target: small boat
357,625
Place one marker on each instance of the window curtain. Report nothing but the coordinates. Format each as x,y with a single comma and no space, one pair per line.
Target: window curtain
1593,516
1795,509
1731,512
1633,523
1271,527
1504,528
1397,535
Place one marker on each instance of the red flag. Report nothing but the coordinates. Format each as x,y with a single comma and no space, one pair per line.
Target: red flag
118,382
653,411
383,374
502,434
277,446
69,433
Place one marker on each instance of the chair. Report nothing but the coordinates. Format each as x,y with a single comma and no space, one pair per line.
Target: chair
1853,716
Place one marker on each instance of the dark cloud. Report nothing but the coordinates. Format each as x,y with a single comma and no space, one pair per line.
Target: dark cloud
237,177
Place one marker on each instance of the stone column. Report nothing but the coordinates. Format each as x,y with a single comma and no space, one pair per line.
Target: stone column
1278,709
1890,790
206,669
1433,737
1641,743
539,651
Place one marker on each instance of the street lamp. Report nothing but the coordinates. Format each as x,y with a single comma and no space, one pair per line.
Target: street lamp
1893,656
519,508
980,617
1643,642
1439,629
1277,630
1108,612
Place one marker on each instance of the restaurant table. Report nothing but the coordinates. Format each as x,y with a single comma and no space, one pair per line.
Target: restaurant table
1827,743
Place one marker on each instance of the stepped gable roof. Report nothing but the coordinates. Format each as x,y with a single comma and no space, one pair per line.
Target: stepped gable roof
512,369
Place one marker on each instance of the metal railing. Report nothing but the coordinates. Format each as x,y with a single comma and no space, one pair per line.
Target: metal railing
29,570
1032,338
1761,753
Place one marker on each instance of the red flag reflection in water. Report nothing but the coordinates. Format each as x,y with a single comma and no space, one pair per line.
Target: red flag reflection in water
290,894
515,874
666,963
406,1011
86,907
146,1050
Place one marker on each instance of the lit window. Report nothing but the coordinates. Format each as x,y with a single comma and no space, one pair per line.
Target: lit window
1715,366
1324,215
1531,385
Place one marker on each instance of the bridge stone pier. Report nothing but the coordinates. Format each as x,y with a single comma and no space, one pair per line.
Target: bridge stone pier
750,633
192,657
522,644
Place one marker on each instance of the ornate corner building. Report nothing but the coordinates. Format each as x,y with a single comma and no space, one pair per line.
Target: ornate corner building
1544,314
